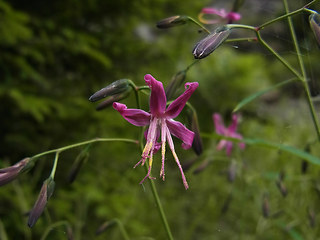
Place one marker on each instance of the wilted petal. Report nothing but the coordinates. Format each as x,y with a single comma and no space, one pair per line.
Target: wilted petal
158,98
219,126
136,117
178,130
177,105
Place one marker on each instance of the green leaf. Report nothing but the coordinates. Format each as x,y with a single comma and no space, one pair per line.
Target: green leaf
259,93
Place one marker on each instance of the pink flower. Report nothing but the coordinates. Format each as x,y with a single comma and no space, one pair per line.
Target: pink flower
228,132
223,16
160,119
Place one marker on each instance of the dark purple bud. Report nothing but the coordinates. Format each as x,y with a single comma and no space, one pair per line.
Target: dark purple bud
75,169
45,193
10,173
175,83
105,226
265,206
232,171
210,43
187,165
282,188
108,102
172,21
226,204
194,127
312,217
304,166
117,87
314,20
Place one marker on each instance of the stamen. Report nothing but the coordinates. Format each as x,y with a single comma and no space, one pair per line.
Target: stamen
163,147
171,145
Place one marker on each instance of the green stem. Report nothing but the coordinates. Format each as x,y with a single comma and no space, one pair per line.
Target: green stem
284,62
251,39
53,171
160,208
303,70
51,227
122,230
287,15
199,24
84,143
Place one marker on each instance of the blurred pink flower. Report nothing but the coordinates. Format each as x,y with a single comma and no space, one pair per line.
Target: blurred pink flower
160,119
221,16
228,132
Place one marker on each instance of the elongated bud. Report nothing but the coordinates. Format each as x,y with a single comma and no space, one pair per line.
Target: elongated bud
314,20
117,87
265,206
172,21
10,173
210,43
282,188
232,171
194,127
312,217
304,163
201,167
226,204
75,169
105,226
45,193
187,165
176,81
108,102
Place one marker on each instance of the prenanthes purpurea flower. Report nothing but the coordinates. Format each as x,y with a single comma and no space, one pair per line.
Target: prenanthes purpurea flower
160,120
221,15
227,132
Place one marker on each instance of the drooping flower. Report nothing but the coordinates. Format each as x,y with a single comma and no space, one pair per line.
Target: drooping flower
221,16
230,131
160,120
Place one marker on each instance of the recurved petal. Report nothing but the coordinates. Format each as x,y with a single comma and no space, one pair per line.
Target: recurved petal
158,98
178,130
177,105
220,129
136,117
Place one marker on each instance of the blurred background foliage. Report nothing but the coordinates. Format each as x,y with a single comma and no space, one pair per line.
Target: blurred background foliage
55,54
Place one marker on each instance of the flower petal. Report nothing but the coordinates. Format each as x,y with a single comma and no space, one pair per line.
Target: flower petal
233,127
220,128
177,105
158,100
136,117
178,130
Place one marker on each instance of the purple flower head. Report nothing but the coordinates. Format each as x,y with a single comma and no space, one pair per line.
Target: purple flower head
11,173
160,120
220,16
228,132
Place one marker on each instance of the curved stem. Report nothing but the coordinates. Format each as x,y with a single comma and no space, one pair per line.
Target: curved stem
284,62
303,70
122,230
84,143
53,171
52,226
199,24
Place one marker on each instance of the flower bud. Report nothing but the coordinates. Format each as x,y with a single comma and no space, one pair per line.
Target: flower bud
175,83
282,188
201,167
194,127
265,206
210,43
312,217
117,87
105,226
45,193
172,21
10,173
232,171
314,20
108,102
75,169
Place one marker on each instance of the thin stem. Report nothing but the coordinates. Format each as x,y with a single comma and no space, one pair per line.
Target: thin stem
287,15
160,208
284,62
84,143
199,24
52,226
122,230
53,171
303,70
251,39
